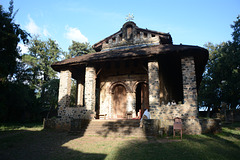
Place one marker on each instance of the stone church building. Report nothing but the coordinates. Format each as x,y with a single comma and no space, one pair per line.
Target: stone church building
132,69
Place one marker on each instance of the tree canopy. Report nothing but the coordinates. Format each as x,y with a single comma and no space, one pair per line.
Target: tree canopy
10,35
78,49
17,100
40,58
221,80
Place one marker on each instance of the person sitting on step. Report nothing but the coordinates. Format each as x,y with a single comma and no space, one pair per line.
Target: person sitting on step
146,115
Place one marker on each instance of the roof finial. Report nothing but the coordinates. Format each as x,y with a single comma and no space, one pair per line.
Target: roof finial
129,17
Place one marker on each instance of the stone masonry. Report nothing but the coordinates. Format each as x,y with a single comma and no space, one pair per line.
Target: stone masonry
154,88
90,87
64,99
189,83
64,91
190,96
188,110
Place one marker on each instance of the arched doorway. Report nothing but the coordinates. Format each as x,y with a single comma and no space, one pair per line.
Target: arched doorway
141,98
119,101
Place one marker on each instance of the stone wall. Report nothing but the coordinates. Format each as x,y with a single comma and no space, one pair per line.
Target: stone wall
166,114
70,113
188,111
156,127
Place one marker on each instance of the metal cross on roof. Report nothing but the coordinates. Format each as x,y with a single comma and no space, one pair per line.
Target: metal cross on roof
129,17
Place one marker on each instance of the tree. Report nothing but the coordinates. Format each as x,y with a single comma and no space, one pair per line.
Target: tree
78,49
42,54
17,100
209,95
10,35
221,80
18,103
51,97
236,30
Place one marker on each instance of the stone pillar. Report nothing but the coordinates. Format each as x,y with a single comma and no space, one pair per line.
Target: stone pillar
154,88
80,89
64,92
90,89
189,84
134,105
129,102
190,111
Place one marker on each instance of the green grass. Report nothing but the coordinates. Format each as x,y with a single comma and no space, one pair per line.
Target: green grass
19,126
35,143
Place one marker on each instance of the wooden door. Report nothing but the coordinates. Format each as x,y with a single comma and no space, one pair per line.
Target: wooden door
119,101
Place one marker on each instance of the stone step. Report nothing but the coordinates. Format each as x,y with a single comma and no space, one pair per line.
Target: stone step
119,128
112,125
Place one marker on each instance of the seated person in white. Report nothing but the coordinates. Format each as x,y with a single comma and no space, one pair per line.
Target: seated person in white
146,115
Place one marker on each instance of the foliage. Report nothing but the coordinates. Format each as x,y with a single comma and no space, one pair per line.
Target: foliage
41,55
28,84
221,80
18,103
78,49
17,99
236,30
51,92
10,35
50,101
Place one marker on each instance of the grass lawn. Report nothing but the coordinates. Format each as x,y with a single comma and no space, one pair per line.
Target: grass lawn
31,142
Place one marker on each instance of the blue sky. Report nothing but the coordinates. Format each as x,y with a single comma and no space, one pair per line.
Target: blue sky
192,22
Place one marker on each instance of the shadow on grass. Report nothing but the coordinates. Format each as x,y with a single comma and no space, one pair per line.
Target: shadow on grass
224,145
186,149
47,144
40,145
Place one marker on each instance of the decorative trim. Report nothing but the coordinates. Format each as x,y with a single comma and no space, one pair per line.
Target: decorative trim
119,83
135,85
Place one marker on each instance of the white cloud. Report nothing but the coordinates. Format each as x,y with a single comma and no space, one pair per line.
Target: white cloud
32,28
46,33
23,47
75,34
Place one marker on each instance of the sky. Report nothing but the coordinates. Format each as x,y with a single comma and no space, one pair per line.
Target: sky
190,22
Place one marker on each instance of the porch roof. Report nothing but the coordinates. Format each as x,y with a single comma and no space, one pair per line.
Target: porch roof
137,52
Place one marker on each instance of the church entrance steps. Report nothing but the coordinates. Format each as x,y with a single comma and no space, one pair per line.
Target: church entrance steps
112,128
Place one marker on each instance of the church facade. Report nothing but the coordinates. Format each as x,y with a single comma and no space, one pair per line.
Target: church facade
132,69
